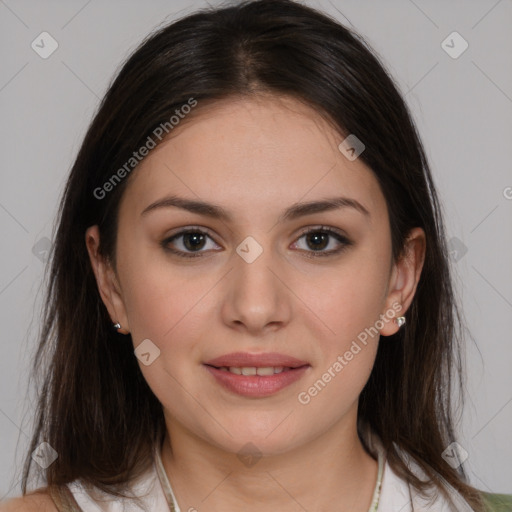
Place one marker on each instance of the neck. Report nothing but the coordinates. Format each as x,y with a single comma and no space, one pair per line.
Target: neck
334,468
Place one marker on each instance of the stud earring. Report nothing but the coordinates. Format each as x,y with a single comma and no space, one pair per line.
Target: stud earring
400,320
117,326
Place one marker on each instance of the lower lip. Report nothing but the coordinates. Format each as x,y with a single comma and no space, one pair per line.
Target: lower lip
254,385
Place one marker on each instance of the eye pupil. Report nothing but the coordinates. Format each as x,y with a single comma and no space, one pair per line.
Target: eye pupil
196,239
318,237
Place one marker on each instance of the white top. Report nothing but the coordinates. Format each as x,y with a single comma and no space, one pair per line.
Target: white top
155,493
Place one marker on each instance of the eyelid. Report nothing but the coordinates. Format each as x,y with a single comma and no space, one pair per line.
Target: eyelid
322,227
187,229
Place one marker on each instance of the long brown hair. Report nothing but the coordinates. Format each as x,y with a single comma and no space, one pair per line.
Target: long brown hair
95,408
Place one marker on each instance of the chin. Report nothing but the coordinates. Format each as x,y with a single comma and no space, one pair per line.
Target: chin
259,437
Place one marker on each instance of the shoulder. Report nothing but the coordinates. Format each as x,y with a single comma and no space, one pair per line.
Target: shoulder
497,502
37,501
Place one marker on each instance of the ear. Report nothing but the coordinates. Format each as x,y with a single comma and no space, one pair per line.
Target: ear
106,279
403,281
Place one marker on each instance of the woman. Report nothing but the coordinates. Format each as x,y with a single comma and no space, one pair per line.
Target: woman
253,213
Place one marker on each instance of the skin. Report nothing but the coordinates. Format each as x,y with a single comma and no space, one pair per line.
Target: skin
36,501
255,157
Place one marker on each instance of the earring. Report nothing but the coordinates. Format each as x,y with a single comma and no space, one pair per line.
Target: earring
117,326
400,320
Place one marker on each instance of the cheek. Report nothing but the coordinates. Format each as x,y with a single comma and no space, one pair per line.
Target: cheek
160,305
171,310
156,293
350,297
349,304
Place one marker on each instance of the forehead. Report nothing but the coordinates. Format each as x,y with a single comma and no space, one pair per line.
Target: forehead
252,153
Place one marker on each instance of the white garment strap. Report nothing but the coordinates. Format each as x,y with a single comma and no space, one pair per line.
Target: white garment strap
164,482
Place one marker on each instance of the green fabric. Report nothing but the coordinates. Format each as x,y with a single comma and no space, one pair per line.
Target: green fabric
497,502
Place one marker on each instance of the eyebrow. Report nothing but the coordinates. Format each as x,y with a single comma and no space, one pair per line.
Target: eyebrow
293,212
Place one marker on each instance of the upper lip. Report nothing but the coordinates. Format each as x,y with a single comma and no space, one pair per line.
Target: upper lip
262,360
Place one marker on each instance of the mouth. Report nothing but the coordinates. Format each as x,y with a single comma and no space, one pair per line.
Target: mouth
263,371
256,375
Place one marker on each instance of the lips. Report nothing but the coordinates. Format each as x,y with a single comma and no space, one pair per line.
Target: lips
256,375
248,360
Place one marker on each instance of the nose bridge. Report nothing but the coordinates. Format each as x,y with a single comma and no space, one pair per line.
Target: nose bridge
254,260
256,297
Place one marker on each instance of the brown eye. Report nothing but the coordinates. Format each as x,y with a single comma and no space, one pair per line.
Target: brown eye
320,238
193,241
186,243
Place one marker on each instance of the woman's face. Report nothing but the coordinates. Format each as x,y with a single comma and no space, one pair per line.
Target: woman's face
247,287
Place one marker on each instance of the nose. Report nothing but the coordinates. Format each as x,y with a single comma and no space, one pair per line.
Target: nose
257,299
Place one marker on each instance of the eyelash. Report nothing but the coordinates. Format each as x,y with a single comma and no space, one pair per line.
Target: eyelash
344,241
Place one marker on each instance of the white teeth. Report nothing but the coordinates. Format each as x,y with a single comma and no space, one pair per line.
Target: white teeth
265,371
252,370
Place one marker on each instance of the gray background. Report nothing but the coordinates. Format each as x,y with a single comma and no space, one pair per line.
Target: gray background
462,107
